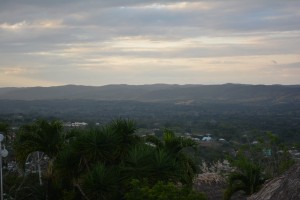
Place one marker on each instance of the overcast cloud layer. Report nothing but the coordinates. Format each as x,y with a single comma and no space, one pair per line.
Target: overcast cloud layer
98,42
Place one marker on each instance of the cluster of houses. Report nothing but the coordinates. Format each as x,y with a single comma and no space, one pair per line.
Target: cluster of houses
203,138
75,124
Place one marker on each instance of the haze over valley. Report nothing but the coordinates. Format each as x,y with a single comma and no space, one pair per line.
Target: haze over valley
225,110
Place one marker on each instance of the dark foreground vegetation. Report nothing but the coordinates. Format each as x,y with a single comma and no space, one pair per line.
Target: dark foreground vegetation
109,162
114,161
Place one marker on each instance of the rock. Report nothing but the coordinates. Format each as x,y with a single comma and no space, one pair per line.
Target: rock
285,187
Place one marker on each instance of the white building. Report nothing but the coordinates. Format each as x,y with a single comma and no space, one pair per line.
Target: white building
206,138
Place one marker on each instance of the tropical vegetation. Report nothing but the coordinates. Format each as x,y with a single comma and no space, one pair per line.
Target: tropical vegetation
102,162
255,163
115,161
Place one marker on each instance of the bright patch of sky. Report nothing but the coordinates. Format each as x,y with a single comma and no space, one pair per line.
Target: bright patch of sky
99,42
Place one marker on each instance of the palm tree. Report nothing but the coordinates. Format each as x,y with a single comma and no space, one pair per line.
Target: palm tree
91,153
147,162
40,137
100,163
101,183
177,148
125,130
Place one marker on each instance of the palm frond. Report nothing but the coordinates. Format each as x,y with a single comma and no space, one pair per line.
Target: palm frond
137,164
97,145
101,183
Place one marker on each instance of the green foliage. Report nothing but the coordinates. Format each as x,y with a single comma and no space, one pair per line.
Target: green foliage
256,163
101,183
99,163
23,188
247,177
4,127
161,191
144,161
87,161
98,144
270,154
115,146
125,129
40,136
175,146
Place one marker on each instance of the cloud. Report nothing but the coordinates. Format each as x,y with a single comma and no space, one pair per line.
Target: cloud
97,42
291,66
12,71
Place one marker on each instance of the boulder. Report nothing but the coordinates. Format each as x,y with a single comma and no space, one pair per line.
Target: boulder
285,187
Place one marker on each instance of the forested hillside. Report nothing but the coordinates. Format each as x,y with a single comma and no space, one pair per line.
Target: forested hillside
230,93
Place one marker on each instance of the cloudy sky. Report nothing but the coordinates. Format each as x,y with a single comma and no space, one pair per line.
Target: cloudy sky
99,42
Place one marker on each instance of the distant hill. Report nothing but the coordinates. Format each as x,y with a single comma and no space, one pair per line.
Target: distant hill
180,94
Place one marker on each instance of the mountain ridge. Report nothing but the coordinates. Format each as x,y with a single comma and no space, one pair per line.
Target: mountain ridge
231,93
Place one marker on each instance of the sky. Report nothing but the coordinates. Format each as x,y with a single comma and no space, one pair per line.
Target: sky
100,42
